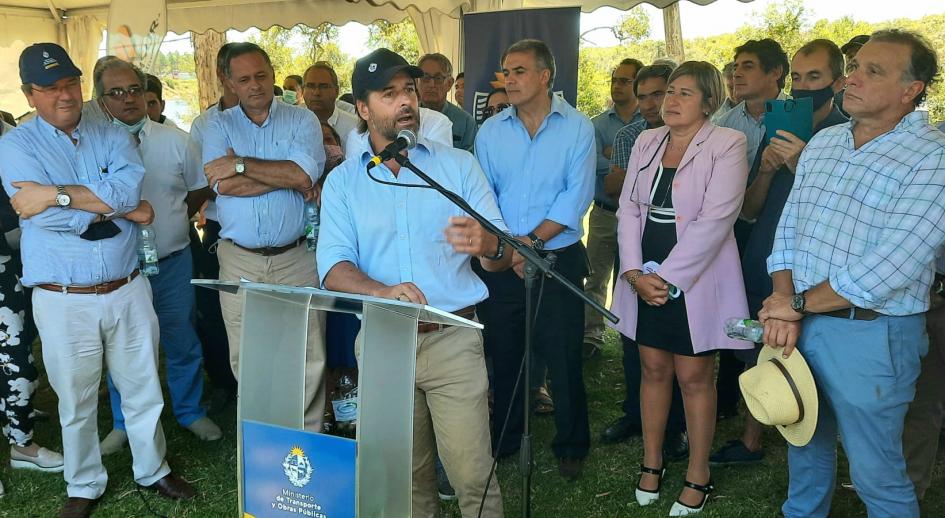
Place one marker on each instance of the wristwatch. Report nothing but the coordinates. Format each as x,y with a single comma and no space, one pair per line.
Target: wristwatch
537,243
62,197
799,302
240,165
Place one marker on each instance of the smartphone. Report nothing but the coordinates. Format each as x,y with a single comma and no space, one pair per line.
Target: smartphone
795,116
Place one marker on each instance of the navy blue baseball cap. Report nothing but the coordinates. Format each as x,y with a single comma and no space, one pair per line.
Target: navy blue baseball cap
45,63
373,72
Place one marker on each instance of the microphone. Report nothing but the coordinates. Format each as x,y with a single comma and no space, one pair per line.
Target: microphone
406,139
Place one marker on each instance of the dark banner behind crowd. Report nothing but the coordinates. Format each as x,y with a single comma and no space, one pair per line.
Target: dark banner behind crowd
487,35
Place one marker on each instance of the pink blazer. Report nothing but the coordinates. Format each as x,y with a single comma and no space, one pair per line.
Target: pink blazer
708,191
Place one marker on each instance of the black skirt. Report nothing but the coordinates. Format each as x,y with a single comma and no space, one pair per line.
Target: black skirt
663,327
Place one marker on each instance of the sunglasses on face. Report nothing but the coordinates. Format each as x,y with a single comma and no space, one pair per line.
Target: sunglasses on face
120,93
489,111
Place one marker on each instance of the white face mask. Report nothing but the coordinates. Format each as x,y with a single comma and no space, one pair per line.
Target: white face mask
131,128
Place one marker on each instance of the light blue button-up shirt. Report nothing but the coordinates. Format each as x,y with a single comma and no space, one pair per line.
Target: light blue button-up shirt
606,126
395,234
739,119
869,220
548,177
105,161
293,133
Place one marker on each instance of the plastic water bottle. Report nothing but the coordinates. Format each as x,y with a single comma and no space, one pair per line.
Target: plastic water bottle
311,225
147,251
344,402
744,329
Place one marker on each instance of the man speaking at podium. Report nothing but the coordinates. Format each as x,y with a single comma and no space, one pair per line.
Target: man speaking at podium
412,244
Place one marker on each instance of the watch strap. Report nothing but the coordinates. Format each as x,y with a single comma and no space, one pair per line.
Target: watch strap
500,252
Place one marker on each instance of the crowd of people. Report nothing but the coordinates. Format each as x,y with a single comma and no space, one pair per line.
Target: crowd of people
696,215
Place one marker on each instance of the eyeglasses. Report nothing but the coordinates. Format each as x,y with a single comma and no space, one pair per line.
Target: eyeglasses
437,79
489,111
120,94
633,188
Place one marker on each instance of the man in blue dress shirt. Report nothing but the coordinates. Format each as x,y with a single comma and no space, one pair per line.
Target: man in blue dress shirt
406,254
76,186
540,158
262,157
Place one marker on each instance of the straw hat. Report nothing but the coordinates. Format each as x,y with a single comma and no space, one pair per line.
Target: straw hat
781,392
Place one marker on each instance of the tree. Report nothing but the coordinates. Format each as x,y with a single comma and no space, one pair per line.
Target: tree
399,37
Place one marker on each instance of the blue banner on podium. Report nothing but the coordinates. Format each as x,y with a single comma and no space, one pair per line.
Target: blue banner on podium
294,473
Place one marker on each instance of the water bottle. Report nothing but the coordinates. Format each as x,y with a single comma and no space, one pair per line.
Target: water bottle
147,251
311,225
744,329
344,402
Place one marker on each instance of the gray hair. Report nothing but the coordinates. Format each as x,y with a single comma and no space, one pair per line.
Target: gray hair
107,63
923,60
543,56
440,59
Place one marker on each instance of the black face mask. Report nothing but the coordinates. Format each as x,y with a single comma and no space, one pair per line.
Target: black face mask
818,97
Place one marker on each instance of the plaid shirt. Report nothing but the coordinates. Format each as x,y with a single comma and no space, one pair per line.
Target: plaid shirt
869,220
624,141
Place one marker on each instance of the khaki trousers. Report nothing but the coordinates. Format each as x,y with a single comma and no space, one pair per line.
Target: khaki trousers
451,415
78,332
923,425
295,267
601,253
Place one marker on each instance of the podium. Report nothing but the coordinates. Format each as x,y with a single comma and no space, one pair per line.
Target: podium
272,373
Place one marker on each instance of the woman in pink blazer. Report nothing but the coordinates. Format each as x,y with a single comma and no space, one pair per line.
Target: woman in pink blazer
680,272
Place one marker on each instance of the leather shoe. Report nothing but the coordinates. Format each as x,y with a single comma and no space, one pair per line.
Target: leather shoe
676,446
570,469
620,430
173,487
76,507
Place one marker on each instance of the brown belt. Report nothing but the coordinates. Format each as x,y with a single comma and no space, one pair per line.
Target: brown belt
98,289
853,313
269,251
468,313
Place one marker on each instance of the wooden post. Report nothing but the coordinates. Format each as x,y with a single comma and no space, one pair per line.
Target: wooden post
672,25
206,46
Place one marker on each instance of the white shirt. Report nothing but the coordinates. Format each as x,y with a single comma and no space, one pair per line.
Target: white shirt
345,106
343,122
169,122
433,126
172,169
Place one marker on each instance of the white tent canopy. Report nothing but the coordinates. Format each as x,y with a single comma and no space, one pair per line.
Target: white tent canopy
78,24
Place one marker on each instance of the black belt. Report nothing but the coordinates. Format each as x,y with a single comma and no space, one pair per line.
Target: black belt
853,313
269,251
600,205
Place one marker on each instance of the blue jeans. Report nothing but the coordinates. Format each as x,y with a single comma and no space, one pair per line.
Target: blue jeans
183,356
866,373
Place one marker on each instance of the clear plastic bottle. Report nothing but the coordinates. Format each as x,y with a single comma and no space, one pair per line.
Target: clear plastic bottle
147,251
311,225
344,402
744,329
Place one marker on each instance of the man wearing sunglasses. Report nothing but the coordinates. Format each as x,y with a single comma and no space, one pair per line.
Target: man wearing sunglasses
175,186
435,86
76,186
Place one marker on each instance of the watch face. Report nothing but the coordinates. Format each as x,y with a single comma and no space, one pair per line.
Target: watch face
240,167
63,200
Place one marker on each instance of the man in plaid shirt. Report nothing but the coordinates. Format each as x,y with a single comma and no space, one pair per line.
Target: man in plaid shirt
852,267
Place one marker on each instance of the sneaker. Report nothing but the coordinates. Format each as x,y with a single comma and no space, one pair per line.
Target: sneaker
114,442
45,460
735,452
443,487
205,429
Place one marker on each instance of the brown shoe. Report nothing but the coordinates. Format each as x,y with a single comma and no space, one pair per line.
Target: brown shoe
76,507
173,487
570,469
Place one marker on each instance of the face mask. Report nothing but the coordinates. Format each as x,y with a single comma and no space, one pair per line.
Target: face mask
818,97
131,128
333,156
290,96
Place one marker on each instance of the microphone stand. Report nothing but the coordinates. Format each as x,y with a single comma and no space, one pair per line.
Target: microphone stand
535,263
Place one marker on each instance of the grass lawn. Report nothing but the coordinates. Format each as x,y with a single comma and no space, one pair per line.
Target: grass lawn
606,489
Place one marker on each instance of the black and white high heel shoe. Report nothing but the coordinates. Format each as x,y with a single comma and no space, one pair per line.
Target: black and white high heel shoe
646,497
681,509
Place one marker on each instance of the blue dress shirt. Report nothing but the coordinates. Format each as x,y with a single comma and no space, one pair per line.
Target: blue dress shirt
548,177
395,234
606,126
293,133
105,161
869,220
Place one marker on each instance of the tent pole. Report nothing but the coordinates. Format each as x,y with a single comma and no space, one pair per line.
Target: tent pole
206,46
672,25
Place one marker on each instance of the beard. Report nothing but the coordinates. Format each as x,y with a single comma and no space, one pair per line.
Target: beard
389,129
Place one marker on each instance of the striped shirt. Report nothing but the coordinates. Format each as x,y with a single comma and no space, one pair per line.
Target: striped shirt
869,220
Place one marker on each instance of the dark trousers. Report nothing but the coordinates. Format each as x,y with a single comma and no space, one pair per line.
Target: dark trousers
632,373
730,368
558,337
210,327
